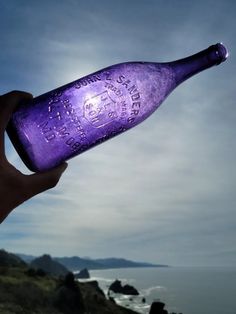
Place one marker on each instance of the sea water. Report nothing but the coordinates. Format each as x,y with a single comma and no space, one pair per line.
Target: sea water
187,290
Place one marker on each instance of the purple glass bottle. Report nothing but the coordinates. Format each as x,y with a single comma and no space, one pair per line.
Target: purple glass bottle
67,121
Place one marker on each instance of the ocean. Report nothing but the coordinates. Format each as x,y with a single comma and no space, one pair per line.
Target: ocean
187,290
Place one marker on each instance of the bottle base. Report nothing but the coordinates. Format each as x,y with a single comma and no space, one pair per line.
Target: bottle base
15,140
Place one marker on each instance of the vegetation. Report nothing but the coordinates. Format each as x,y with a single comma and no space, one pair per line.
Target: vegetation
25,290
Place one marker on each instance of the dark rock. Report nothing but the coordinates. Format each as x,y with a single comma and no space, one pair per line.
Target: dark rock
112,300
158,308
126,289
95,285
143,300
83,274
116,286
130,290
68,297
49,266
69,281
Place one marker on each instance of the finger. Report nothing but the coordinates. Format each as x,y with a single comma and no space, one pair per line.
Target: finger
40,182
8,103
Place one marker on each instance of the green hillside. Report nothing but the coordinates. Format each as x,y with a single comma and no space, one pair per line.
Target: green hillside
24,290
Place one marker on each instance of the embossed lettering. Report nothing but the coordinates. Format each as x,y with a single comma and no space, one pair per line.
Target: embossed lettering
54,100
136,104
100,109
126,83
131,119
108,76
132,89
90,80
72,143
123,109
50,137
63,132
135,96
44,127
134,112
120,79
96,77
87,80
57,116
116,90
47,131
75,119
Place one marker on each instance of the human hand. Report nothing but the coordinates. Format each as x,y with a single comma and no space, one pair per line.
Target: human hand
16,187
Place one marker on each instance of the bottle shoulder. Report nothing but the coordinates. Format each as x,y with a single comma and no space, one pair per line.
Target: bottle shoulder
144,66
123,73
140,71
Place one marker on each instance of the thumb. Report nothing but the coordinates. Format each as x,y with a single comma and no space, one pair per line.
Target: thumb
40,182
9,102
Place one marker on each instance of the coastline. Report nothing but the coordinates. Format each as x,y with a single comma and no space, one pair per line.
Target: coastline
187,290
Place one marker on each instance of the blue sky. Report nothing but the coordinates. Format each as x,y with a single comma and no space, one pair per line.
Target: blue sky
163,192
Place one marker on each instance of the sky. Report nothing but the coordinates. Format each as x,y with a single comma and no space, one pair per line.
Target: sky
163,192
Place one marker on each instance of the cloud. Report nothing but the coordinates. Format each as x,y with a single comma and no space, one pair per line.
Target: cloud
163,191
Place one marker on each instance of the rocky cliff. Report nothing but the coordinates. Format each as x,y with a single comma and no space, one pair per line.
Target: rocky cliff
25,290
48,265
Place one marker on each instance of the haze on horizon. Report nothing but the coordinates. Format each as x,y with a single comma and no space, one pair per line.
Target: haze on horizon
164,192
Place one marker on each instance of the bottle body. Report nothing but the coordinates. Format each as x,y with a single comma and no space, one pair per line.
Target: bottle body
65,122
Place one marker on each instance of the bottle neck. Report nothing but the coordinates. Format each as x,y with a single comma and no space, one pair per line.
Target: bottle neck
187,67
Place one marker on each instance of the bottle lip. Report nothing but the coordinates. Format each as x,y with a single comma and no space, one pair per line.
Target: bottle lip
221,52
